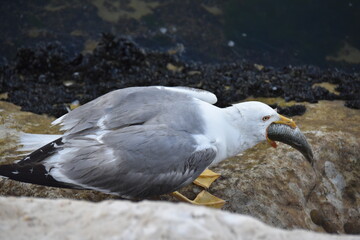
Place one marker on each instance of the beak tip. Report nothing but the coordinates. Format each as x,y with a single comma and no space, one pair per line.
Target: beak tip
286,121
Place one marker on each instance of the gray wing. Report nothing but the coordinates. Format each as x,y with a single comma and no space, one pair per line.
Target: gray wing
133,162
131,106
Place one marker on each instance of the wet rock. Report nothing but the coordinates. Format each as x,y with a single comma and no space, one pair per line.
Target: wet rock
31,218
291,110
353,104
35,79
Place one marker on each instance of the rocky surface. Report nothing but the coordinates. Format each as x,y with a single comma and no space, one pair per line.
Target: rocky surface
276,186
47,78
211,31
31,218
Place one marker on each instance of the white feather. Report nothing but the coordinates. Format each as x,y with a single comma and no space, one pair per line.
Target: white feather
32,142
59,120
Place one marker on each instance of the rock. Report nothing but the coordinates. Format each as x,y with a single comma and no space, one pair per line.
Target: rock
31,218
35,79
277,186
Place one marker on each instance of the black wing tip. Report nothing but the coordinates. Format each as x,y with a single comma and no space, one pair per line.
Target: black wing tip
41,154
35,174
31,170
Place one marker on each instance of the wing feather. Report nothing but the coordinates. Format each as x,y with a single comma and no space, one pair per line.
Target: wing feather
134,142
129,106
134,162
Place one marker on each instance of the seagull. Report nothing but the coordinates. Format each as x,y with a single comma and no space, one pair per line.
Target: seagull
142,142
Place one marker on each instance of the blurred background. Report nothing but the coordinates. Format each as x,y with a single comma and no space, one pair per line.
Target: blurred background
325,33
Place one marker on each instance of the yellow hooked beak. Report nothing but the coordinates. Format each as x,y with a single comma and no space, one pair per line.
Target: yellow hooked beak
283,120
286,121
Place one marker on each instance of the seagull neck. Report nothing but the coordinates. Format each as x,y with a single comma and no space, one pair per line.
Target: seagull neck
236,137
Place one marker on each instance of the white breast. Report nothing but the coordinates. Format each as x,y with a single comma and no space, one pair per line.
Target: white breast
216,128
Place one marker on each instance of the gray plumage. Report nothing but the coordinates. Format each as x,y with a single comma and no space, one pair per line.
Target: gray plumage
146,160
134,142
129,106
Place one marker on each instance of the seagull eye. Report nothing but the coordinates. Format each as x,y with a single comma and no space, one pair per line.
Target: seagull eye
266,118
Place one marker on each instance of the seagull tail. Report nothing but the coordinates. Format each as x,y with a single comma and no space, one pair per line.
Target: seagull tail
31,142
31,168
35,174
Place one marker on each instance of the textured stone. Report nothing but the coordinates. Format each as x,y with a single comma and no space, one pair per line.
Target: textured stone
31,218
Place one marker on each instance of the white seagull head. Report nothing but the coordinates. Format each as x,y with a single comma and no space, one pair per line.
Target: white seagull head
258,117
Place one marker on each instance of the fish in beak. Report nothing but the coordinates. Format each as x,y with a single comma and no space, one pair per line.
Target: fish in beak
286,131
285,121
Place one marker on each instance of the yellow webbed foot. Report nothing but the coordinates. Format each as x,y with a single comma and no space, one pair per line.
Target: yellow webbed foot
204,198
206,178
